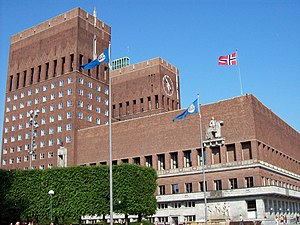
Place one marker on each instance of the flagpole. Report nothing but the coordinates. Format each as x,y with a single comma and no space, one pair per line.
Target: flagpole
239,72
203,163
95,39
110,144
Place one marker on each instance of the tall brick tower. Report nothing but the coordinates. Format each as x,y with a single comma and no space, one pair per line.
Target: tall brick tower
44,74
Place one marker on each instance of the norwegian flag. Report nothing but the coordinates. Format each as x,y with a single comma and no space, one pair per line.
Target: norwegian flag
228,60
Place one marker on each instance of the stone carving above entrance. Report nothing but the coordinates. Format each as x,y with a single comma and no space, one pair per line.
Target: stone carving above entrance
213,136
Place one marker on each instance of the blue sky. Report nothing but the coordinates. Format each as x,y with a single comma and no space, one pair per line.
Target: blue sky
191,35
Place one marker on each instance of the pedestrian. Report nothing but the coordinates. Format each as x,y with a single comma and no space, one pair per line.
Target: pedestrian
241,220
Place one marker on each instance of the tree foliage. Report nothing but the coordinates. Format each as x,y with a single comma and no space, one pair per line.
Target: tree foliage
78,191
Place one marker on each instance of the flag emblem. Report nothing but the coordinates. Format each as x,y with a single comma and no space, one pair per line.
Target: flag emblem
192,109
103,57
228,60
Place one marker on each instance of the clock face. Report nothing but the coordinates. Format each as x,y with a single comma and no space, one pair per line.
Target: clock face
168,85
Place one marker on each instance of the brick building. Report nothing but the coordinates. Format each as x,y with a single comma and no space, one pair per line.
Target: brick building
252,156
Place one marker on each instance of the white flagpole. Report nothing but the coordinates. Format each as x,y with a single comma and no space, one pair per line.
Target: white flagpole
110,143
203,163
95,39
239,72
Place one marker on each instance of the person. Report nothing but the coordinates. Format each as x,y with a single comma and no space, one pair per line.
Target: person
281,218
241,220
297,219
17,223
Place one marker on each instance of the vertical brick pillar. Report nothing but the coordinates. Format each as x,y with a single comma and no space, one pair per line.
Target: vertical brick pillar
167,161
180,159
208,155
194,158
238,149
223,153
255,150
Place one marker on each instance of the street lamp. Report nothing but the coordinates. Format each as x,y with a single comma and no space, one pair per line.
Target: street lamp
33,122
51,192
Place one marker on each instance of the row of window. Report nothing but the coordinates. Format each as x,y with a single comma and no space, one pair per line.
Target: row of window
186,204
280,206
165,219
139,106
36,75
272,182
26,158
52,97
53,86
52,118
217,185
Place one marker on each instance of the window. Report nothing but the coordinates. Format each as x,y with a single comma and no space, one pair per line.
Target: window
174,160
106,91
50,155
89,107
249,182
26,157
80,80
98,110
50,165
43,120
70,91
106,102
217,185
60,105
69,126
106,112
61,83
13,118
42,155
189,204
90,95
59,141
80,103
233,184
175,188
89,118
19,159
15,97
90,84
43,109
45,87
36,101
98,121
29,92
162,190
52,96
5,130
52,107
69,115
80,115
7,109
29,103
70,80
26,147
37,90
80,92
43,132
188,187
19,148
34,157
11,161
68,139
11,149
21,105
98,88
53,85
42,144
59,117
8,99
42,167
98,99
187,160
21,116
69,103
137,160
51,119
59,129
14,107
161,162
201,186
19,137
51,130
61,94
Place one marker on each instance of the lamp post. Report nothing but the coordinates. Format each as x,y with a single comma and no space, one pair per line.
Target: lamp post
51,192
34,125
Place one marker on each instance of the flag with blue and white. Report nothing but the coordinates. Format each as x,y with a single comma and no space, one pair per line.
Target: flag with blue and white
102,58
192,109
